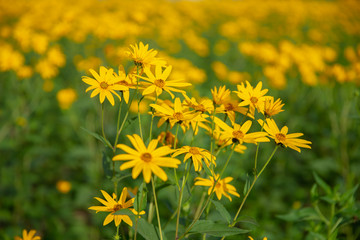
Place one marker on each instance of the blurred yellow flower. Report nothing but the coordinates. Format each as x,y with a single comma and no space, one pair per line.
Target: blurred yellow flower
103,84
28,235
282,137
63,186
111,204
146,159
222,186
66,97
143,57
197,155
221,95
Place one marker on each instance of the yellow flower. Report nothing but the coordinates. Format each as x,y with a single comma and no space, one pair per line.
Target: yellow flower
196,154
143,57
204,105
28,236
178,114
231,106
129,81
104,83
272,108
111,204
63,186
221,188
219,96
254,97
282,137
146,159
66,97
238,133
158,83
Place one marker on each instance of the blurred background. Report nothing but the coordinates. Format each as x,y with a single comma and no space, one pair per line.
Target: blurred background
305,52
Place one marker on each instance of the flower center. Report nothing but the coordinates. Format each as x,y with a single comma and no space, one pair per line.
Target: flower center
254,100
229,107
104,85
281,137
146,157
117,207
238,134
159,83
194,150
200,108
218,185
178,116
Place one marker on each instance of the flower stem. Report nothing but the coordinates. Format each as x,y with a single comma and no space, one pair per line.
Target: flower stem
156,207
180,199
252,185
137,95
257,150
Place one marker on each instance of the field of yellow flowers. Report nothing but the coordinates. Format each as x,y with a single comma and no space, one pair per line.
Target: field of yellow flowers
179,119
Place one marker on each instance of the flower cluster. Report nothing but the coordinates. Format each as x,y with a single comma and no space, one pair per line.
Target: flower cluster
231,119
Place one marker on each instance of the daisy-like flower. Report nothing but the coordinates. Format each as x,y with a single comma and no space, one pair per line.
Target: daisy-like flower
238,133
144,159
282,137
219,96
28,235
104,84
143,56
197,155
204,105
178,114
272,108
222,186
230,107
129,81
111,204
158,83
254,97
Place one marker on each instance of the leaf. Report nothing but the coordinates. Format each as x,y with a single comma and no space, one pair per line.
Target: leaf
246,219
222,210
124,211
141,198
247,185
215,229
98,137
207,170
147,230
322,184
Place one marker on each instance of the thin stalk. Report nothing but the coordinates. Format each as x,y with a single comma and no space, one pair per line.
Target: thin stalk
252,185
210,196
156,207
257,150
176,134
117,236
212,138
118,126
152,119
180,199
137,95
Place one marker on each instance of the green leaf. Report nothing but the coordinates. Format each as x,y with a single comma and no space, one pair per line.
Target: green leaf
247,184
98,137
207,170
222,210
141,198
215,229
124,211
147,230
322,184
246,219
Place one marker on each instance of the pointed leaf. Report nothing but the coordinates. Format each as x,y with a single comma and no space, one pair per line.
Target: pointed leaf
147,230
215,229
98,137
222,210
322,184
106,165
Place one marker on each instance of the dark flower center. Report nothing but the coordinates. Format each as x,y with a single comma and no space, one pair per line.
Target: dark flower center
159,83
104,85
194,150
146,157
178,116
254,100
117,207
280,137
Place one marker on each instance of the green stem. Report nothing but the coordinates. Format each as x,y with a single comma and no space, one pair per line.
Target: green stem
180,199
210,196
117,236
212,138
152,120
257,150
156,208
118,126
252,185
137,95
176,134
